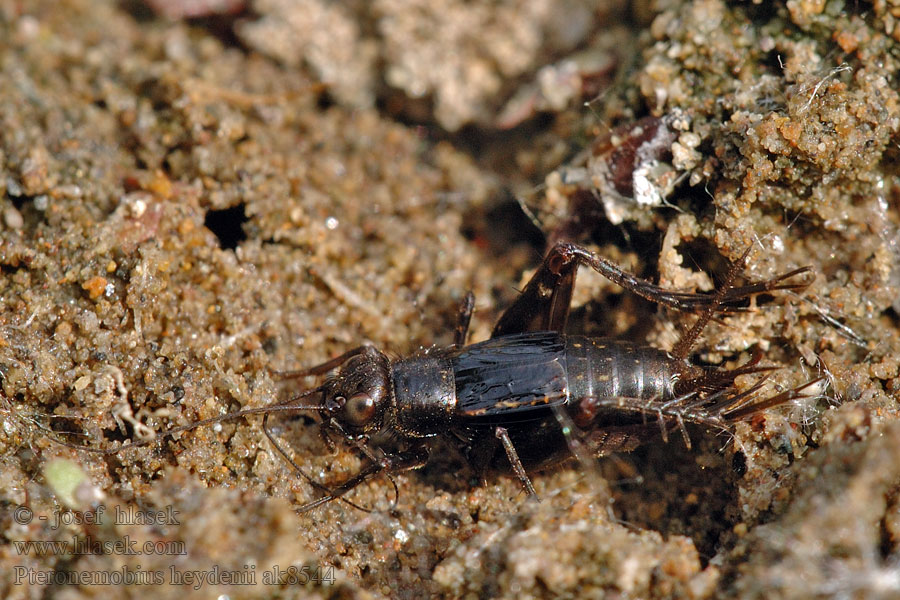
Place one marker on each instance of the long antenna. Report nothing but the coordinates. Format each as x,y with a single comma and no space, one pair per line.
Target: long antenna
285,406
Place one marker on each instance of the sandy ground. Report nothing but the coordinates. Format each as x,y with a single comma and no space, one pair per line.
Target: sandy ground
188,203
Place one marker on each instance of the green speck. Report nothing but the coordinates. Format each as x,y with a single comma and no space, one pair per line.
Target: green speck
64,476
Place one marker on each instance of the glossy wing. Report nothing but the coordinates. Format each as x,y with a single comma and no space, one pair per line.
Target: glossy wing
511,376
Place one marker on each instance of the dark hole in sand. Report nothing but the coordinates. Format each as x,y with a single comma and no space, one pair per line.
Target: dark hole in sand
227,224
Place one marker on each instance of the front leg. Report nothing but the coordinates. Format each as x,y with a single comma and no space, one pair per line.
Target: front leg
390,464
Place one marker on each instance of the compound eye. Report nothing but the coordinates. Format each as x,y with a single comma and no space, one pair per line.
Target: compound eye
359,410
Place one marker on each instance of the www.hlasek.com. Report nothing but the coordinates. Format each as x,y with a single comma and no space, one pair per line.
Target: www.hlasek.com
79,546
195,578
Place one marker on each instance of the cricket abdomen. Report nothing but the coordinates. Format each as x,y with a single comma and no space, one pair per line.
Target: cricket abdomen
606,368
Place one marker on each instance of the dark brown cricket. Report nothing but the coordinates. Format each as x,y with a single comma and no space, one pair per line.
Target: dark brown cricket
531,395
